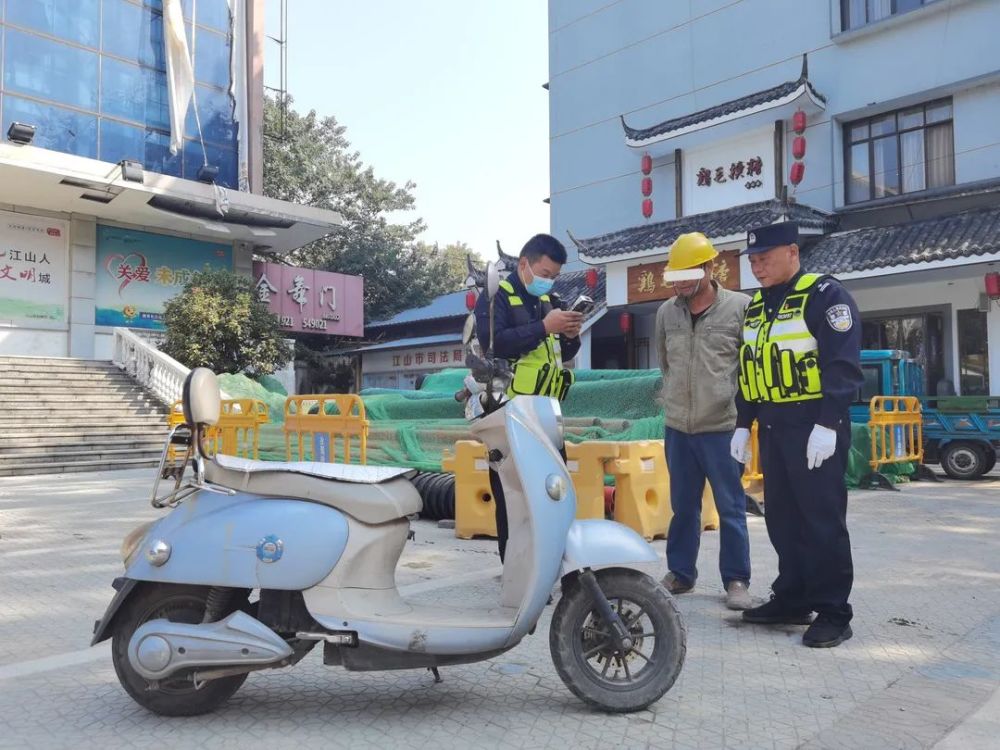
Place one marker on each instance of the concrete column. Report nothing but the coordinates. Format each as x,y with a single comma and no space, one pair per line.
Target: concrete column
82,287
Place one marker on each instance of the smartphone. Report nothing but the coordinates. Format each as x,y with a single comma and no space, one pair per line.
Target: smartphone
583,304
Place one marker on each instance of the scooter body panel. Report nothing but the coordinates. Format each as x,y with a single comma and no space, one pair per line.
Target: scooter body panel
244,541
595,543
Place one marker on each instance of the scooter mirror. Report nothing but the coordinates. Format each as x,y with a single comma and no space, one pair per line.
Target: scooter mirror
492,280
469,330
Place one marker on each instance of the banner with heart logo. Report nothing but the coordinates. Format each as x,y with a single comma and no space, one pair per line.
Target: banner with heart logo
137,272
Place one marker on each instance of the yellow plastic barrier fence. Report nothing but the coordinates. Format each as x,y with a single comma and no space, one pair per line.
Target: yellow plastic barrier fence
642,487
896,430
236,434
587,464
642,490
475,510
324,418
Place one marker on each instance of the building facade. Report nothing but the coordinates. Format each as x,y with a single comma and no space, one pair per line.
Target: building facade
114,186
869,122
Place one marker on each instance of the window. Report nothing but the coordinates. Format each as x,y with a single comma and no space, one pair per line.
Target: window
899,152
91,76
919,335
57,128
973,357
72,20
872,384
50,70
856,13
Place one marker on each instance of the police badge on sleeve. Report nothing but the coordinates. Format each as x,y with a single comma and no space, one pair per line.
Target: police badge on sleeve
839,318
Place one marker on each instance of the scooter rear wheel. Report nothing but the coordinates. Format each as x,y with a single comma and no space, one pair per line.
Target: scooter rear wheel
178,695
589,662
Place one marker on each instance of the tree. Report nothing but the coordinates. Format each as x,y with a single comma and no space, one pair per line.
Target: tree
313,164
453,258
217,322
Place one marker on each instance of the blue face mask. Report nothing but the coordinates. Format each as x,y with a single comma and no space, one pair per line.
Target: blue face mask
539,286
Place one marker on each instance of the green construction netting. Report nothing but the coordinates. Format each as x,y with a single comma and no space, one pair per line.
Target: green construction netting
414,428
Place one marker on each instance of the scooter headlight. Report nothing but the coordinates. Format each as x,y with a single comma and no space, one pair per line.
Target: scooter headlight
130,545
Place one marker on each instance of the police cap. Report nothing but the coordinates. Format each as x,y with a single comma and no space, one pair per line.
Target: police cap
762,239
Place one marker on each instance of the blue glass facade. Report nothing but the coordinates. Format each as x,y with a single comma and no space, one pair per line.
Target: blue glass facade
90,75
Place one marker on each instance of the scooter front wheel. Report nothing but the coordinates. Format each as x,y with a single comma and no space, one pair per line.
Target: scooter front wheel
177,696
587,657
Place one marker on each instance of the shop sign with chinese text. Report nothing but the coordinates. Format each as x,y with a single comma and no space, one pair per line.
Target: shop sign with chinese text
310,301
729,173
441,356
646,284
33,268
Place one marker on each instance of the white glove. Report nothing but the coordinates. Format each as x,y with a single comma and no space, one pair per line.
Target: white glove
739,446
822,444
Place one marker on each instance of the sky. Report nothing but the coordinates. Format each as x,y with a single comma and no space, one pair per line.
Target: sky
446,93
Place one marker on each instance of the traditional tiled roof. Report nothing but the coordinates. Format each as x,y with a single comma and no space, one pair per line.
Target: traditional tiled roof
727,222
726,110
961,235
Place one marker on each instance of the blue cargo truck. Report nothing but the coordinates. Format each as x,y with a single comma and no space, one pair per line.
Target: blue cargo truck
961,433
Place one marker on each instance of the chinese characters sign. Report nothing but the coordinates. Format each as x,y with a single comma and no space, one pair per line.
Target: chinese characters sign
137,272
416,359
645,282
730,173
750,170
33,268
311,301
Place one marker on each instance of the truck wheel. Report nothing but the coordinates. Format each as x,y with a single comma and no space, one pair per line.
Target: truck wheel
962,460
991,461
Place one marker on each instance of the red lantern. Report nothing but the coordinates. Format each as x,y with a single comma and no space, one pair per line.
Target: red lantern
797,173
647,186
799,122
993,285
470,300
591,278
647,208
799,147
625,322
647,163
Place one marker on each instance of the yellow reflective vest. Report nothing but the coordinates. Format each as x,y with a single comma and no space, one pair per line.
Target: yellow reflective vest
779,358
540,372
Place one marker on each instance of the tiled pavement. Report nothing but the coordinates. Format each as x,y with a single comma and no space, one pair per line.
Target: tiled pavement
926,651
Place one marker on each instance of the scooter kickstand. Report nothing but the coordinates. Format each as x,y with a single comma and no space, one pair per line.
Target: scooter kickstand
437,675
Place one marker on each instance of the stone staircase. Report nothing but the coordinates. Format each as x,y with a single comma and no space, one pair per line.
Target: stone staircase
61,415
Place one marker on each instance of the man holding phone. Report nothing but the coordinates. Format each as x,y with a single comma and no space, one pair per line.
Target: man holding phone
533,333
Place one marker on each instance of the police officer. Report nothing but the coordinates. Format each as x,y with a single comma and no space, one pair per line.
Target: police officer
533,333
799,373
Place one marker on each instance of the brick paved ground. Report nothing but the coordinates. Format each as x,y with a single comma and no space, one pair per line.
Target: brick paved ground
926,651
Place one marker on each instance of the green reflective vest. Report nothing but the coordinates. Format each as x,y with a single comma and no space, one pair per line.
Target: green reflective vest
779,358
540,372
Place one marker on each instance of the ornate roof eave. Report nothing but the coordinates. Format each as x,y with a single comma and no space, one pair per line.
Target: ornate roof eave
784,94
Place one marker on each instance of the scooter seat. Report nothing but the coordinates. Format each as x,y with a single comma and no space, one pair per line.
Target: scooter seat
371,494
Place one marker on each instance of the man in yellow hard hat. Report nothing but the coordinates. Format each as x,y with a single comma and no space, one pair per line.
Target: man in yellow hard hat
698,337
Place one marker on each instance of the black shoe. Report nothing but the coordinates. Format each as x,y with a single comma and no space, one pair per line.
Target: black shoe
776,613
824,633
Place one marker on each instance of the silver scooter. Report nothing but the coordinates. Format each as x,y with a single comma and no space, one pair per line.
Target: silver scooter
257,562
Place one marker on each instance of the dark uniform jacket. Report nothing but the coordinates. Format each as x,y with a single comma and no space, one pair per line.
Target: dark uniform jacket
512,341
839,357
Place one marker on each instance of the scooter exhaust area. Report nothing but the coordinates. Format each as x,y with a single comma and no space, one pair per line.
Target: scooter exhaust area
161,648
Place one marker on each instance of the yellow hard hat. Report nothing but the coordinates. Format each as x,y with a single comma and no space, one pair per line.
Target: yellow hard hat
687,254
